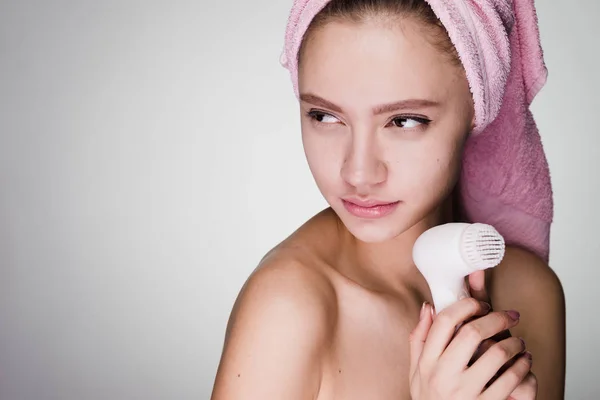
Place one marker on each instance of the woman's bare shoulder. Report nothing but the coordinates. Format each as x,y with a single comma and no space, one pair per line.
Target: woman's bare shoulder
523,272
294,276
279,330
526,283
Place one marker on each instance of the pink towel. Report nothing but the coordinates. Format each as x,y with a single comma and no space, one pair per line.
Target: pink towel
505,179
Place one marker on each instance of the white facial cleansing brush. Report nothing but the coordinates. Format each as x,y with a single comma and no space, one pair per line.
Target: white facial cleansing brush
445,254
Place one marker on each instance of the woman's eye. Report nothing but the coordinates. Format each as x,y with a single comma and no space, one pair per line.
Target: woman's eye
409,122
323,117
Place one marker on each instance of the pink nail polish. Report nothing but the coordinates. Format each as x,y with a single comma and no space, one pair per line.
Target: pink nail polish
514,315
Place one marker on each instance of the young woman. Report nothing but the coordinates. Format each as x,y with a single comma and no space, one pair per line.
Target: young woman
338,310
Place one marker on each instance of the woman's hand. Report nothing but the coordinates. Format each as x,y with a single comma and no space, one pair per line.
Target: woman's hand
478,290
439,363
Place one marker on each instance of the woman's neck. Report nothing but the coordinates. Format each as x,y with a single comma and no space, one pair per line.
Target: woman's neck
388,266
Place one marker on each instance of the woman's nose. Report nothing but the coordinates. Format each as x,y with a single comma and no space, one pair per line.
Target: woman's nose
363,167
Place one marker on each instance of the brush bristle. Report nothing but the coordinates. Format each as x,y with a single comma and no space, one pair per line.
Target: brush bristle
483,246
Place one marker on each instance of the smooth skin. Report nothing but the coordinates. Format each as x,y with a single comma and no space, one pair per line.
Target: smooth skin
336,310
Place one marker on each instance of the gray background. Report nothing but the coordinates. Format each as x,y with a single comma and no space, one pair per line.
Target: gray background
150,155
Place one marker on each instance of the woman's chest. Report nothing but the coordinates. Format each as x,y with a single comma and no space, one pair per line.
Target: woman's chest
369,355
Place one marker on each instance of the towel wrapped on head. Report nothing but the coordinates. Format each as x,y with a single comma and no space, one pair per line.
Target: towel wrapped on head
505,179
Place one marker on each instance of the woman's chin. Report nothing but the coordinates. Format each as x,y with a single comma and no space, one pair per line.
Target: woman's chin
371,236
373,231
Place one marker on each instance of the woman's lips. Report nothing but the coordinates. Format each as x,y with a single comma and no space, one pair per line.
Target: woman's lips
369,209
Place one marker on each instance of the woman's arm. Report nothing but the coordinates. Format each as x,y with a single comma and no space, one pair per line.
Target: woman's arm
525,283
276,336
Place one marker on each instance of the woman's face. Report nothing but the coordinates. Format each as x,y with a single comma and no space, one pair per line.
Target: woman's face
384,118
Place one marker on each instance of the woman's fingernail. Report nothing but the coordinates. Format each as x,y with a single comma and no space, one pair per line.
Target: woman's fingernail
432,311
528,355
514,315
422,315
522,341
486,306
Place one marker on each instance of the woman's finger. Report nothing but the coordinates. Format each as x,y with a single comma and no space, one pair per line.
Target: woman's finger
527,389
493,360
469,337
483,347
517,378
443,328
419,335
477,286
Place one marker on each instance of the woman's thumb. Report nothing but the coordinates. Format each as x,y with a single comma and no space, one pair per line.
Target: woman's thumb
418,335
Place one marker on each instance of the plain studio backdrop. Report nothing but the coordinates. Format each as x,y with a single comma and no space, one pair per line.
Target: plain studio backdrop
150,155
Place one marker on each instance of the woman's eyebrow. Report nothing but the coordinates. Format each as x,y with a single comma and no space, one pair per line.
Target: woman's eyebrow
319,101
380,109
411,104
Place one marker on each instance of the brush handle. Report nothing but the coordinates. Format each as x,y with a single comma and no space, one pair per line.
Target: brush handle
445,295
